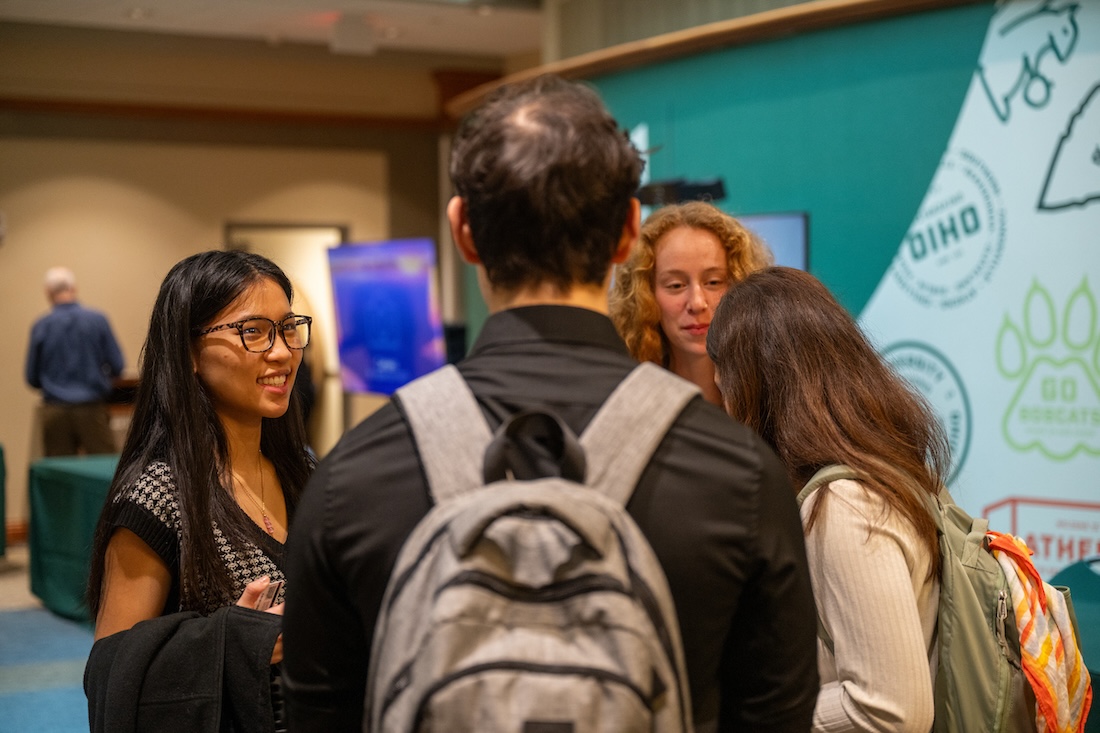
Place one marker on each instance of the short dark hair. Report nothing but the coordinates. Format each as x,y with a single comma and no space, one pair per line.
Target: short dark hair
547,177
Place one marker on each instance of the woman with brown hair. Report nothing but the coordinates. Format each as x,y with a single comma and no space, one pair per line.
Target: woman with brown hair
793,365
664,295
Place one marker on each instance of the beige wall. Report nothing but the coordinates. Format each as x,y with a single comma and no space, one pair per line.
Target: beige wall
121,153
120,214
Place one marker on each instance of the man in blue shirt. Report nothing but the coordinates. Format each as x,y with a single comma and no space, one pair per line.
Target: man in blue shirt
73,358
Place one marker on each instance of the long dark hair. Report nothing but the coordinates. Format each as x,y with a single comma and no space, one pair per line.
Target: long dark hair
793,365
175,422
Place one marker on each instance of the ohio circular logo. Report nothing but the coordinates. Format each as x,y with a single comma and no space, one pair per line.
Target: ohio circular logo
957,240
933,376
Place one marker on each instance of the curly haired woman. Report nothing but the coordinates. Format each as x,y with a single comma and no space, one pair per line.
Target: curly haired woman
664,295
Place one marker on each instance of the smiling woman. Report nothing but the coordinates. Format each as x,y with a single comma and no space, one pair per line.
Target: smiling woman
193,528
232,358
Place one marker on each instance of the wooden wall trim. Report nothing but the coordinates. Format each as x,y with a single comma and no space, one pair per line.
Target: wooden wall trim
768,25
126,110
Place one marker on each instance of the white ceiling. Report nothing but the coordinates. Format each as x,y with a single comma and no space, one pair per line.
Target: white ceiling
486,28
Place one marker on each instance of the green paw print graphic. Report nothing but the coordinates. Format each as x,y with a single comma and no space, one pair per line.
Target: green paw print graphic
1055,358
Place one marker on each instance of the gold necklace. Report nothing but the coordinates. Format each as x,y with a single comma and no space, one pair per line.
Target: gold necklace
262,503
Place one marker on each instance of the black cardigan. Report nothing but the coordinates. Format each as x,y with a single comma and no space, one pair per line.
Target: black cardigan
185,672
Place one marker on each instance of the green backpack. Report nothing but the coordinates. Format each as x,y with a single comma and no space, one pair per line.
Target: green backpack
980,685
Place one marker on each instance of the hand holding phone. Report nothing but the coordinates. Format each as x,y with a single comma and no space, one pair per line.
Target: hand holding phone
267,596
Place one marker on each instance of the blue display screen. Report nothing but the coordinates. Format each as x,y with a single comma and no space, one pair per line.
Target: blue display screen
786,234
389,328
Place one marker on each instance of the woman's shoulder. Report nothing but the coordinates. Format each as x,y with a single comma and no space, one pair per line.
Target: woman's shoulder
852,504
850,497
154,490
156,475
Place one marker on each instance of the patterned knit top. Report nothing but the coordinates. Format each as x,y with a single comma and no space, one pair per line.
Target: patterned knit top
151,511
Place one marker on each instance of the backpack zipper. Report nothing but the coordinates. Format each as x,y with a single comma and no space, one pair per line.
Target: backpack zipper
573,587
576,586
559,591
1002,614
556,669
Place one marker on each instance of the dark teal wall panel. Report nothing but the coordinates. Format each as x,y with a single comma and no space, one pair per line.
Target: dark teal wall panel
848,124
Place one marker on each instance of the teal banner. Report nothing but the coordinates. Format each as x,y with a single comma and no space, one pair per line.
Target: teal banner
989,305
847,125
949,165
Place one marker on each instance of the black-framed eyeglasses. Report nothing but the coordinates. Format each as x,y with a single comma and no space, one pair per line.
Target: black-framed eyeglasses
258,334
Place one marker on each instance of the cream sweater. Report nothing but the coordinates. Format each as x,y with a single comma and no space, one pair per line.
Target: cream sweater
870,581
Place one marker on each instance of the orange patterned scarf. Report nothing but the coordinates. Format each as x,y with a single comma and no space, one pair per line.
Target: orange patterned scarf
1051,659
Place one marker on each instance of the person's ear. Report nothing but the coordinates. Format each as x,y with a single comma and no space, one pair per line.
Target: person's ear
460,230
629,236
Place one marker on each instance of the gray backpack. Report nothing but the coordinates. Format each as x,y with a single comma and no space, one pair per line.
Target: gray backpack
524,604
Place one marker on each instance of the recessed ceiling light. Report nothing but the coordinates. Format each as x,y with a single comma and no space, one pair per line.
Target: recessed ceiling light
484,10
138,14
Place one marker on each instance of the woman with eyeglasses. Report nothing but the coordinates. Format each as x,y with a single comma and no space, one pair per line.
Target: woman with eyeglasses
187,563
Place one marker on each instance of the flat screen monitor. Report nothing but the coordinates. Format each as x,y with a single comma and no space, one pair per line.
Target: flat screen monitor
786,234
388,321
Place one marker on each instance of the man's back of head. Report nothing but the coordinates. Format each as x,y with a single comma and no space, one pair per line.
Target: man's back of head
60,285
547,179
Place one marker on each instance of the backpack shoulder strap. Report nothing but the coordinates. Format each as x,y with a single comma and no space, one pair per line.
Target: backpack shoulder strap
451,433
621,438
449,430
826,475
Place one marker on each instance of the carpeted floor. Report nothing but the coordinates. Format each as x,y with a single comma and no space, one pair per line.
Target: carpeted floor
42,660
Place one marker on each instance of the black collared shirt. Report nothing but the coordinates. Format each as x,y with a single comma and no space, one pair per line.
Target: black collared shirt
714,503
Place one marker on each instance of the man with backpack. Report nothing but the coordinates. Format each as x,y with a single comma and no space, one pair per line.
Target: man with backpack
544,206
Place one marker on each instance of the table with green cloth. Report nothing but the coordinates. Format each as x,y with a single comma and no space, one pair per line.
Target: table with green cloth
66,496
